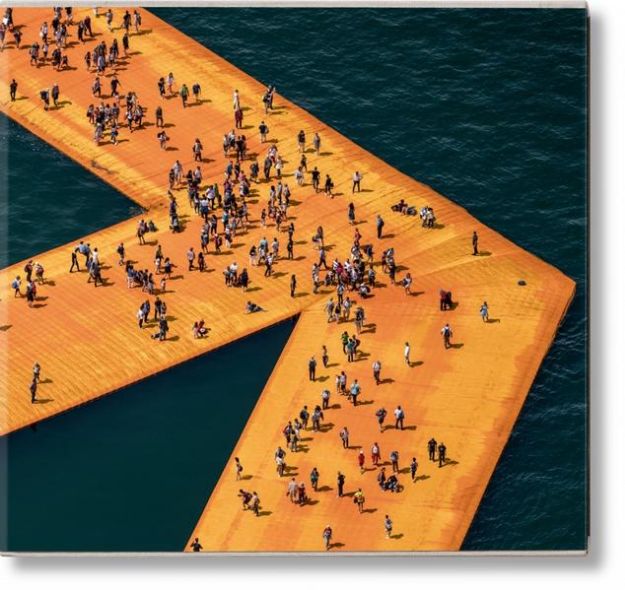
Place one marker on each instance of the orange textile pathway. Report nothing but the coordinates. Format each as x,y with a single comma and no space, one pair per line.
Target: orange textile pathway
88,343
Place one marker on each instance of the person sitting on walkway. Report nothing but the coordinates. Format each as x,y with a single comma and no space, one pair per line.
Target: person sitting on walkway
163,138
252,307
199,329
391,484
445,300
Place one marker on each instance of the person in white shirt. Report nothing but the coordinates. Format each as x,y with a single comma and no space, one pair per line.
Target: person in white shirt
191,257
447,334
407,282
407,353
292,490
317,143
399,417
377,367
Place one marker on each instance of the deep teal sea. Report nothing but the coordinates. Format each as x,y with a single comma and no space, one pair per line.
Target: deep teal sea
488,107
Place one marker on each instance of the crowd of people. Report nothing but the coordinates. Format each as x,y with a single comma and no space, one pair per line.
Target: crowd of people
223,207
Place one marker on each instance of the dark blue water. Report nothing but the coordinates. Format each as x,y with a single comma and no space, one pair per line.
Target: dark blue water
133,471
488,107
47,199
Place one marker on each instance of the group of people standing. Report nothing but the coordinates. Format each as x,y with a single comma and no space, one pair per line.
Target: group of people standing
230,198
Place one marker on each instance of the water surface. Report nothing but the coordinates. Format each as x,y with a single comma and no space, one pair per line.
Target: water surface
488,107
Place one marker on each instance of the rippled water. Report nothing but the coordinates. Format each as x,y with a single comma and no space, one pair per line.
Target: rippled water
47,199
488,107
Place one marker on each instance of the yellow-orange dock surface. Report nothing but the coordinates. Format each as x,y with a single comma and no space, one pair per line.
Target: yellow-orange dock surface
88,342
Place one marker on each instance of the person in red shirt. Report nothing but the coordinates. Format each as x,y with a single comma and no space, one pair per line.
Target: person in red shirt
361,461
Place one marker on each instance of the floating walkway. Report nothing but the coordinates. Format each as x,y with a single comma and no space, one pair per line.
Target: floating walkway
88,343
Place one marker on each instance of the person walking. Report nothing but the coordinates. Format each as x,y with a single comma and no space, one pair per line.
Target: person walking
351,213
442,454
344,434
474,241
432,449
301,141
163,328
407,282
280,464
291,490
379,225
184,95
170,83
121,252
340,483
315,176
356,178
381,415
314,478
312,367
382,478
324,356
158,113
328,186
359,500
327,537
413,469
361,461
13,90
279,456
407,353
399,418
316,143
33,391
191,257
54,93
255,503
354,392
447,334
325,399
394,456
37,372
317,416
329,309
377,367
293,285
16,286
74,261
350,347
344,341
238,467
484,312
388,526
303,416
375,454
263,130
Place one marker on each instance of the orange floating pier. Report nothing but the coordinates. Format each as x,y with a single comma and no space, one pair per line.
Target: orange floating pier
88,342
